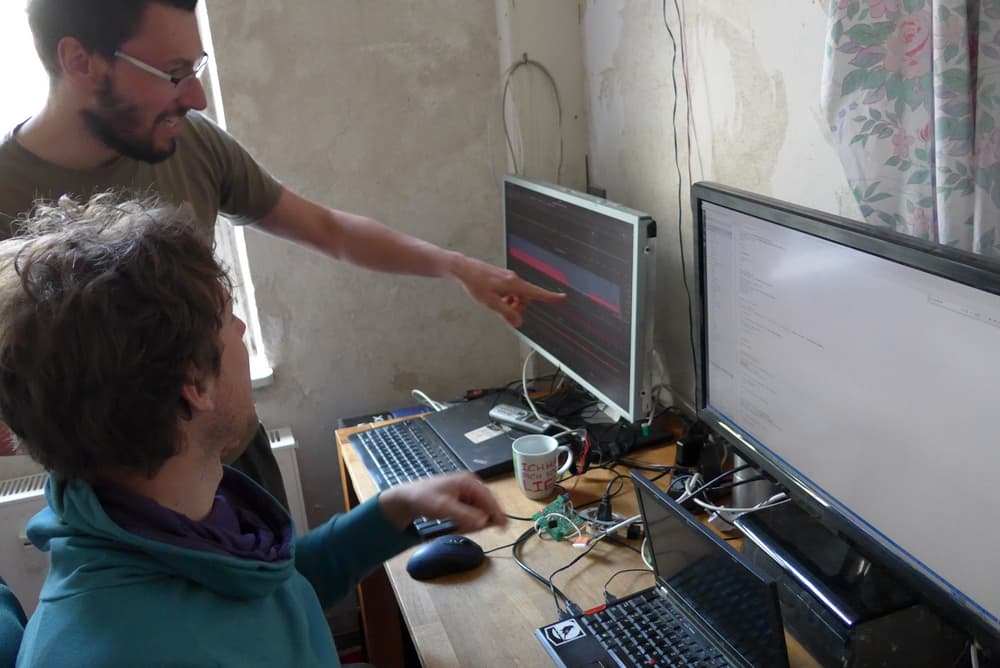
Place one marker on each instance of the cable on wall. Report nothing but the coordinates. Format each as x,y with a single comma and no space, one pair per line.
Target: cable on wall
689,115
680,186
508,77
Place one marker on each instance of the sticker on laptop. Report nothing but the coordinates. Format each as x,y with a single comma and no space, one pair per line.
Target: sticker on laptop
563,632
484,433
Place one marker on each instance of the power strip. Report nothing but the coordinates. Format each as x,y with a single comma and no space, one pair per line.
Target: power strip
589,515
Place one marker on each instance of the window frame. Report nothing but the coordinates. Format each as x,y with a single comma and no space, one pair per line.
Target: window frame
230,240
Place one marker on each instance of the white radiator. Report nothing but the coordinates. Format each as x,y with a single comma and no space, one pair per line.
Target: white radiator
23,566
283,446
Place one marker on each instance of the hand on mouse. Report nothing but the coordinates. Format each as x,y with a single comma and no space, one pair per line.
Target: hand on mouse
461,497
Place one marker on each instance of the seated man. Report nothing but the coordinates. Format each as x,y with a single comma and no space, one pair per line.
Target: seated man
123,372
12,621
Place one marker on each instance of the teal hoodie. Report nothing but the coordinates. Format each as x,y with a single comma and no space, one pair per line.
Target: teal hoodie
113,598
12,623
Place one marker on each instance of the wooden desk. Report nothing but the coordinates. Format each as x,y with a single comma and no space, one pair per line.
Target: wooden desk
488,616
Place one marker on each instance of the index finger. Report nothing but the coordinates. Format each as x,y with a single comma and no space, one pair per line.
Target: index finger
526,290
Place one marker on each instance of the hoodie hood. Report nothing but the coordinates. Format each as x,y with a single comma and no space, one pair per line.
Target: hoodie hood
90,551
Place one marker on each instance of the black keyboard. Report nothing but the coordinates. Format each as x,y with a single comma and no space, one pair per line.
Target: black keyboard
732,605
405,451
647,630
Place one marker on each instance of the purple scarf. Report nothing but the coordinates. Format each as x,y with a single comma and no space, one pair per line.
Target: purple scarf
244,521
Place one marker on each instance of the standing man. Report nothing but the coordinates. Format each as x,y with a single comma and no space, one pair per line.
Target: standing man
125,375
122,113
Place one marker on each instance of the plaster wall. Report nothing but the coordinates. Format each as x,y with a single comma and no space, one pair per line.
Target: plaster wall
390,110
754,72
545,102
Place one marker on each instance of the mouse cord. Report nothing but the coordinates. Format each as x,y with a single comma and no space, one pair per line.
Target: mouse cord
610,598
572,607
556,592
500,547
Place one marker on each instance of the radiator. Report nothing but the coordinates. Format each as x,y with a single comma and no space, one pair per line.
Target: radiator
283,446
23,566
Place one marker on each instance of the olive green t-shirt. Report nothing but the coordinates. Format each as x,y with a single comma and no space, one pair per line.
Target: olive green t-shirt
210,171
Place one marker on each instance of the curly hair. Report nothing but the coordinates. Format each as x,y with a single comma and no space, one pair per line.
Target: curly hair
104,310
100,25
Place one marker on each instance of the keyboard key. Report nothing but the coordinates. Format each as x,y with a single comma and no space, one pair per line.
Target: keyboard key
647,630
403,452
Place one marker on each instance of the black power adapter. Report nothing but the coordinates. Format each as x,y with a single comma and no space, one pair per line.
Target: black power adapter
690,446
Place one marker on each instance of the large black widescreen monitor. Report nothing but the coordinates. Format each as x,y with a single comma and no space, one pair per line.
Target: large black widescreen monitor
598,253
860,367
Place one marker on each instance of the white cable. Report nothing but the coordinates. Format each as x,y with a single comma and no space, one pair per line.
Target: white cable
531,404
652,412
646,558
612,529
654,400
690,485
590,515
974,655
690,488
743,511
427,401
524,384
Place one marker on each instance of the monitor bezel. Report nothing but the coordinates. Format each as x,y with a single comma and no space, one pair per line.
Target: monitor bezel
955,265
643,273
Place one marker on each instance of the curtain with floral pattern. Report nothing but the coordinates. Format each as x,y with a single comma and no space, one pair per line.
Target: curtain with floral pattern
911,89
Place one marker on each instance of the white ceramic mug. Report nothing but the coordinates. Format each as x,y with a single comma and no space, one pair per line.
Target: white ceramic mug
536,464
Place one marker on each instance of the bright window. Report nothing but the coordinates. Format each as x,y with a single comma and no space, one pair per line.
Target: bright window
26,82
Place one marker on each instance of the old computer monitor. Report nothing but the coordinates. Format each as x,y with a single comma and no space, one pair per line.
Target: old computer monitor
860,367
600,254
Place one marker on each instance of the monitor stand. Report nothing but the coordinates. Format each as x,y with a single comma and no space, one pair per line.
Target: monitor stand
844,608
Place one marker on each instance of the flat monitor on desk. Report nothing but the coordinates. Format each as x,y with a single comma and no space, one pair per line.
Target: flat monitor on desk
600,254
860,368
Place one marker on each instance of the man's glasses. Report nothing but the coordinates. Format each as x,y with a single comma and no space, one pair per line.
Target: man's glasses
177,77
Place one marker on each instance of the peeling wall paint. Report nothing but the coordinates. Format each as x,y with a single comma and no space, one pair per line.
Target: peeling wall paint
754,73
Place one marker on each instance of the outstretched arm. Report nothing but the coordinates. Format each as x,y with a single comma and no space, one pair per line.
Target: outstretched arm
368,243
336,555
461,497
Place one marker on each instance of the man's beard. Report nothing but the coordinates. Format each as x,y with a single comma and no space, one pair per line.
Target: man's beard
234,451
115,123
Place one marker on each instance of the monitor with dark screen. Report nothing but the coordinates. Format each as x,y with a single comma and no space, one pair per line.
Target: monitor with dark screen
600,254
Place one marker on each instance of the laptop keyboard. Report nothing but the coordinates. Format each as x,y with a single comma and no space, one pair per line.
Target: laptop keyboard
647,630
722,594
405,451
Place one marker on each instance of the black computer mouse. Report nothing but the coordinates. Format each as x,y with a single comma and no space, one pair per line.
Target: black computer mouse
444,555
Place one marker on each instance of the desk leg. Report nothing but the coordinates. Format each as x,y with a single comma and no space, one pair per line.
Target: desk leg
381,618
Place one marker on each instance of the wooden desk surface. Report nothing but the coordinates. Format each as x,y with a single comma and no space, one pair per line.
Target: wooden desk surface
488,616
